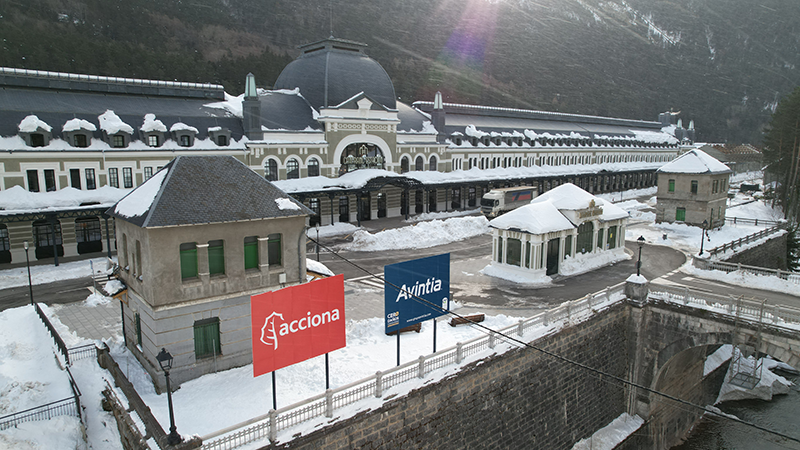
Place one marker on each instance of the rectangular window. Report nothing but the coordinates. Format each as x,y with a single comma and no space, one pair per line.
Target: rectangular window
113,177
499,249
152,141
600,238
672,185
514,252
206,338
216,257
274,249
188,253
568,246
118,141
75,178
251,252
127,177
694,186
81,141
33,180
185,141
5,243
148,172
88,230
50,180
680,214
90,182
527,255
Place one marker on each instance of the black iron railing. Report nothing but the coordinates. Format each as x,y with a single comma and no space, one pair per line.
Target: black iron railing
65,407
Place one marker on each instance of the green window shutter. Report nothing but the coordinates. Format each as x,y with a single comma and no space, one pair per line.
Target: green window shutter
600,238
680,214
672,185
137,323
251,253
188,261
216,258
206,338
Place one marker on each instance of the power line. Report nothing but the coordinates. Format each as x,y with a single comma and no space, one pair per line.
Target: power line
601,374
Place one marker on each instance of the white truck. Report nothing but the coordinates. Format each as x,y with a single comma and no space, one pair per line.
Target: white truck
499,201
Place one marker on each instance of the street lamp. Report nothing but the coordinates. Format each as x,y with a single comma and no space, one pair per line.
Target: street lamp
28,263
317,226
702,236
639,241
165,361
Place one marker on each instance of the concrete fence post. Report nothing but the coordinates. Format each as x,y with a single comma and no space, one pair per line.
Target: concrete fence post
520,328
273,426
421,367
686,296
546,318
328,403
378,384
459,352
491,340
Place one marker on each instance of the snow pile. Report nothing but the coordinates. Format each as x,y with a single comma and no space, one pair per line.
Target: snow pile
769,385
113,287
608,437
78,124
334,229
718,358
637,279
516,274
29,374
152,124
440,215
584,262
62,432
112,124
318,267
97,299
746,279
32,123
286,204
139,201
180,126
421,235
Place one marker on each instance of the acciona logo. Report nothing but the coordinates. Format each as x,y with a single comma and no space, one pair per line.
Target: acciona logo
273,327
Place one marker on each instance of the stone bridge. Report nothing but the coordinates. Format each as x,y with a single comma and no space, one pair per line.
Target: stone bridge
674,331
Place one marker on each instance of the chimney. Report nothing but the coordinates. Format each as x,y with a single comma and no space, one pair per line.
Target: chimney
251,110
437,117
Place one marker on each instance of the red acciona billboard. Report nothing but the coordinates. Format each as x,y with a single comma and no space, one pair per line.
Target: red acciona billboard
294,324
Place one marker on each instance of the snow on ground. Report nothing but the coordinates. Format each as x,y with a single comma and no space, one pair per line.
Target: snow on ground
420,235
47,273
612,434
769,384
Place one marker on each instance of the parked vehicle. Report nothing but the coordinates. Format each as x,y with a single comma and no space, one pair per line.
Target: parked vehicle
499,201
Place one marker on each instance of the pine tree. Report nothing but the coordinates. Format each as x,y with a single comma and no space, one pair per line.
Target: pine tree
782,153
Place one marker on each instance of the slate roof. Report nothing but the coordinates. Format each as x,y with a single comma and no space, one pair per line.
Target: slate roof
56,107
205,189
333,70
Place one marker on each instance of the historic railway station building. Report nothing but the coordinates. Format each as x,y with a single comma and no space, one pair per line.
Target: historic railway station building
330,133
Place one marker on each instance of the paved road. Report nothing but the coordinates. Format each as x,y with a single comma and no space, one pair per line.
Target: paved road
67,291
473,289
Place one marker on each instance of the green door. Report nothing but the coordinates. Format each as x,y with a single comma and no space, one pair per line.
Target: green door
680,214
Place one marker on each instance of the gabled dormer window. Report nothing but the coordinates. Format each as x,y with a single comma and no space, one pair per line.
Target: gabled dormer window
222,140
80,140
34,131
183,134
118,141
185,141
152,141
221,136
37,140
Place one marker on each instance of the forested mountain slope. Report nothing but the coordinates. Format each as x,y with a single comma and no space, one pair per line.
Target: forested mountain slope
723,63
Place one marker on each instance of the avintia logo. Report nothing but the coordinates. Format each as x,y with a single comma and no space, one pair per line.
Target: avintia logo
273,328
419,289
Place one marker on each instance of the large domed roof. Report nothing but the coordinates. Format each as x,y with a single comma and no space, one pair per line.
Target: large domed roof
331,71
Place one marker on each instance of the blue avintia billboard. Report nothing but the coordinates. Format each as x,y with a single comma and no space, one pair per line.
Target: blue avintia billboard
416,290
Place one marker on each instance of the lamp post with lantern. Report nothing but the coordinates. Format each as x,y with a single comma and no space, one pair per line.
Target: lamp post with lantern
165,361
28,264
703,236
639,241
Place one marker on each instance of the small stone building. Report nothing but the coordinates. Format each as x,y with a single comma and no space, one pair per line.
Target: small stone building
195,241
693,188
564,222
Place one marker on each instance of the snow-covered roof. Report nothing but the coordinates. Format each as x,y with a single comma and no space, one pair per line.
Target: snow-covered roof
32,123
535,218
153,124
545,213
78,124
112,124
17,200
694,161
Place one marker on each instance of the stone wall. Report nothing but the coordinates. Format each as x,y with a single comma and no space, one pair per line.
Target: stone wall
770,254
521,399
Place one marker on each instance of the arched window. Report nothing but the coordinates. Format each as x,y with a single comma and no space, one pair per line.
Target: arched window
404,164
420,163
313,167
292,169
271,170
433,165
